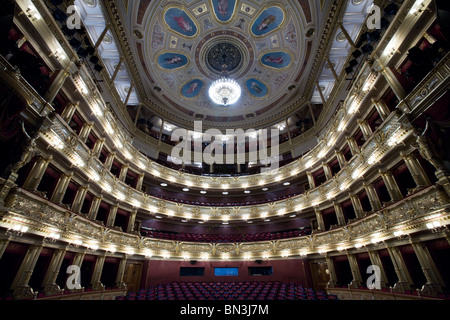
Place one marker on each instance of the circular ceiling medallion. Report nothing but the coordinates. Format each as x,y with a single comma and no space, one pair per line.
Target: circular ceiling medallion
107,39
224,57
341,37
138,34
224,52
90,3
311,32
185,48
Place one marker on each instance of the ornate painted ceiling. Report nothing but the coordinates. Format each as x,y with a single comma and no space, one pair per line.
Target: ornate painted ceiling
180,47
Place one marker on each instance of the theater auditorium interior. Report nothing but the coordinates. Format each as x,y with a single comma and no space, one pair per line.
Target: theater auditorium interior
348,200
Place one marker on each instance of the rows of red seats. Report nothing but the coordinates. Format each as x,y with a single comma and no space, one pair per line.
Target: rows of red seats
245,290
193,237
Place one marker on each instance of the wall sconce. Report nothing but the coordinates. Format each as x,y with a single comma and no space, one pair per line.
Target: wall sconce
129,252
376,241
52,237
285,253
436,227
148,253
205,256
92,247
359,245
17,230
400,235
33,14
76,244
111,249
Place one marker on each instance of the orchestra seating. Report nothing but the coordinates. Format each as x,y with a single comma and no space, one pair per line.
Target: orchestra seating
244,290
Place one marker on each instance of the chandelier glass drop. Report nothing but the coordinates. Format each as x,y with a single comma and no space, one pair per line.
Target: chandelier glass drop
225,91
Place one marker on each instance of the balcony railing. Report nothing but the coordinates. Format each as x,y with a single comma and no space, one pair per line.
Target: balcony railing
42,217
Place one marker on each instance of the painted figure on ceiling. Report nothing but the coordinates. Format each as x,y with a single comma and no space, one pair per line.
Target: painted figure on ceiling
256,87
192,88
223,7
183,24
173,60
271,59
266,22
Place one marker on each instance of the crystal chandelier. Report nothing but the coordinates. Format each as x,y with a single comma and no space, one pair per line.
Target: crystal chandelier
225,91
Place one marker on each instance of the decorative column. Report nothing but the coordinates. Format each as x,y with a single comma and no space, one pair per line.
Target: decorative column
120,273
79,199
49,283
112,216
415,168
37,172
327,171
78,259
339,214
97,274
332,272
109,160
95,205
312,183
357,279
382,109
98,146
3,245
376,261
85,131
140,181
61,188
341,158
434,283
56,85
404,279
365,129
393,82
354,148
20,284
391,185
373,196
356,202
320,222
131,220
123,172
428,153
69,111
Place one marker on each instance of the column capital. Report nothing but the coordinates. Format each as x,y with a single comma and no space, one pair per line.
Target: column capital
47,159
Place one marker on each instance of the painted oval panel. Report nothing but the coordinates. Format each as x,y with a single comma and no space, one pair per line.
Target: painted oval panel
257,88
180,22
224,9
192,89
271,19
277,60
171,60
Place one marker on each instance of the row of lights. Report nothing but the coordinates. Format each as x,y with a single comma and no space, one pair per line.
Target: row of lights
435,226
163,184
